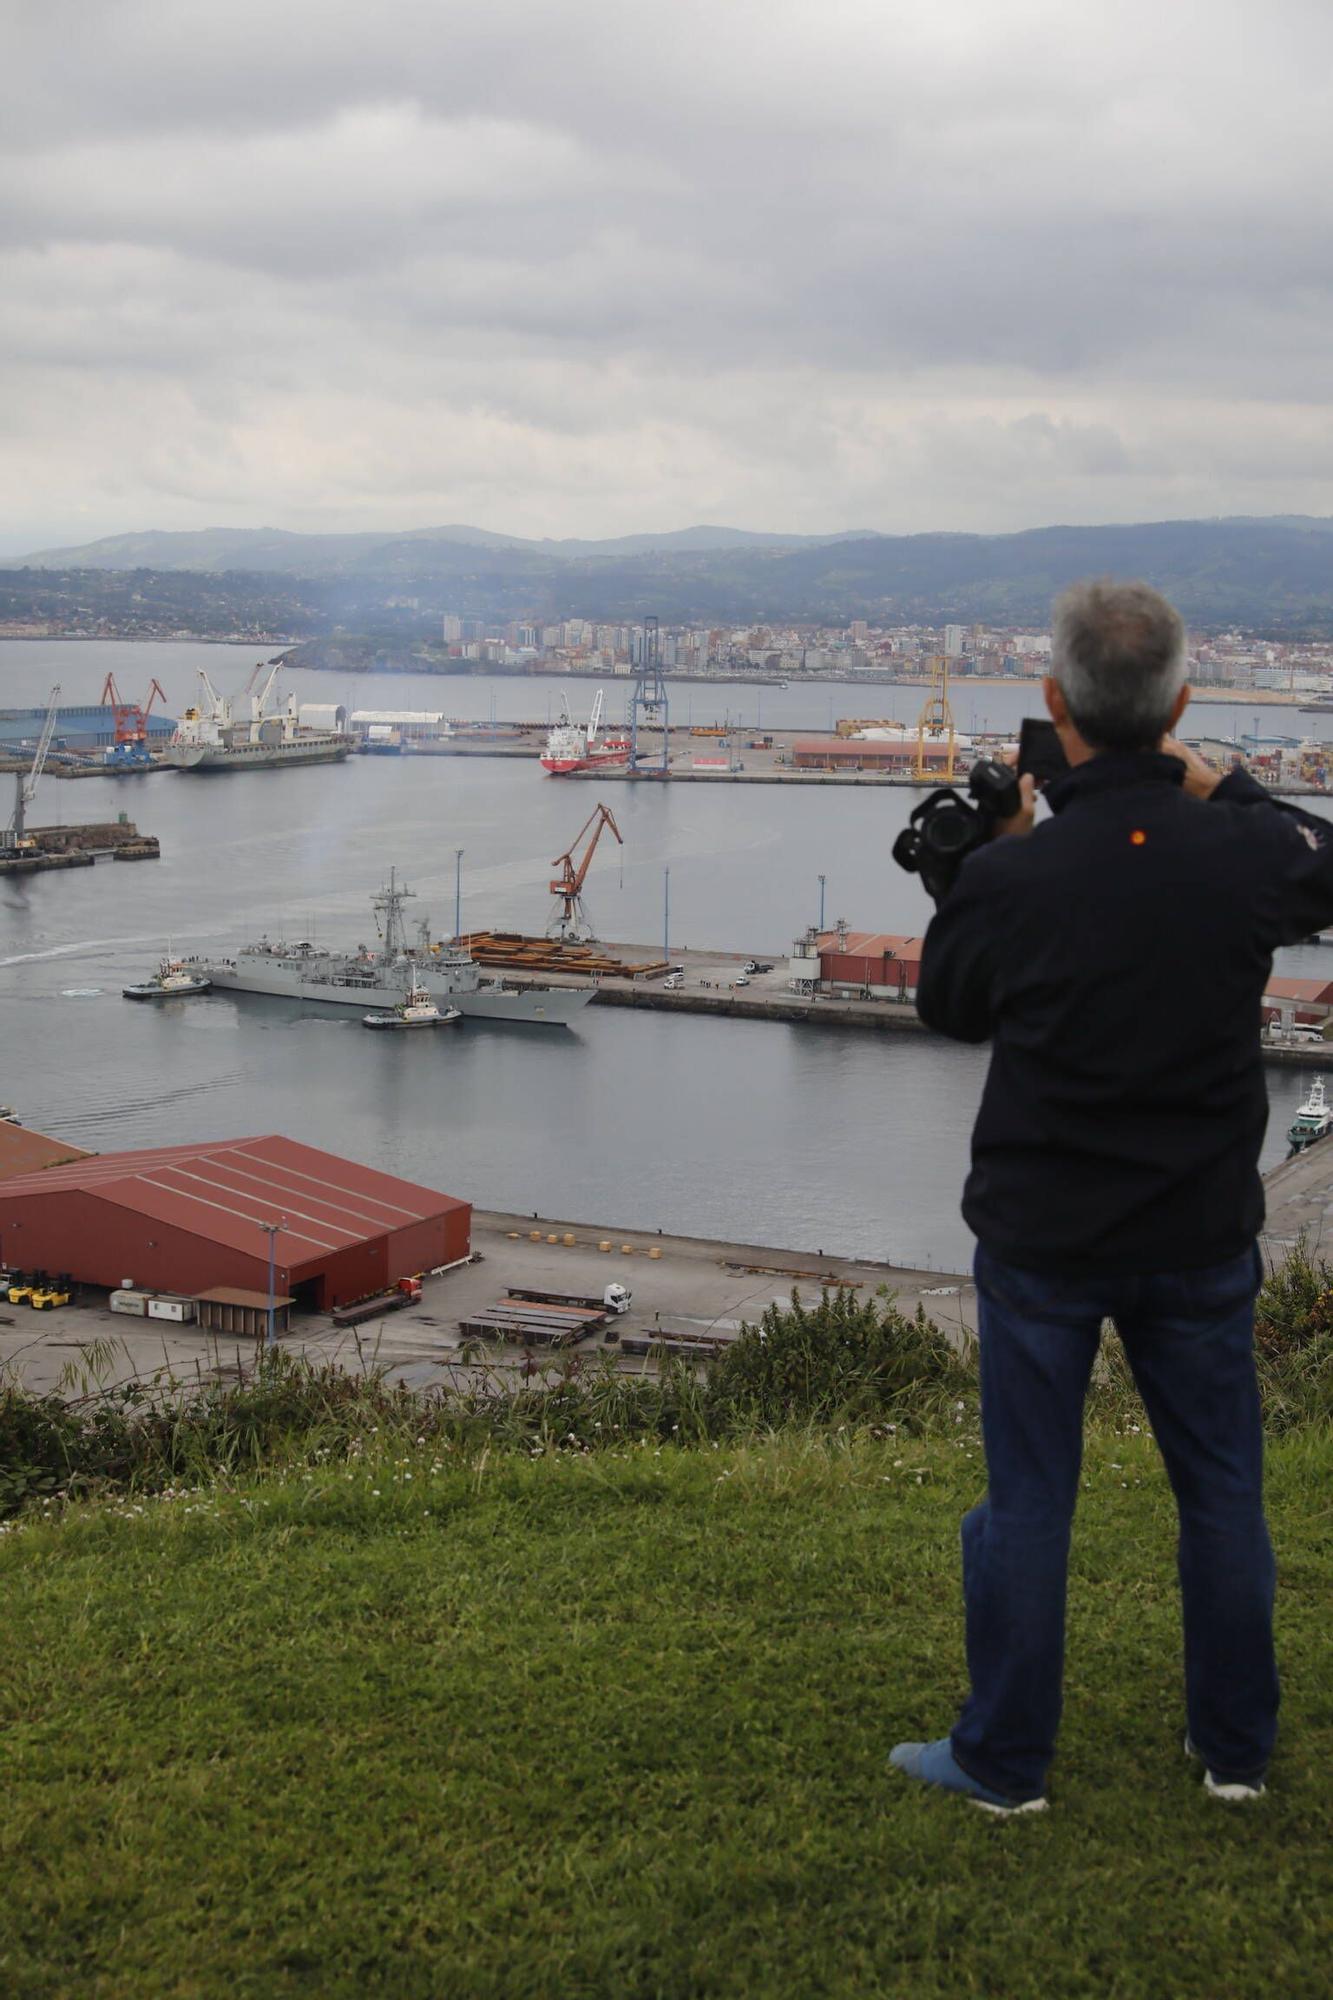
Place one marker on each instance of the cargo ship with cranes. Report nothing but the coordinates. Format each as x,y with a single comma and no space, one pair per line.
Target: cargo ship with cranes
250,731
573,746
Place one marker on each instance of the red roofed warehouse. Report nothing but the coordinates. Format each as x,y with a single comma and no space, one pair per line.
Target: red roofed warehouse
1306,999
874,965
186,1219
23,1151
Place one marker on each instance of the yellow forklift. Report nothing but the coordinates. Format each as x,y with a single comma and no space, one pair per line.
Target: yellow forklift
20,1288
48,1293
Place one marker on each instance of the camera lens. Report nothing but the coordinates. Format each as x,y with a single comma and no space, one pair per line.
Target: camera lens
950,831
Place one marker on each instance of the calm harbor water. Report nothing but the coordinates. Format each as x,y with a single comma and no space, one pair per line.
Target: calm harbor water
760,1132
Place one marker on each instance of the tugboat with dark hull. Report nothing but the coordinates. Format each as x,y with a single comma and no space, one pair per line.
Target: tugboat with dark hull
173,980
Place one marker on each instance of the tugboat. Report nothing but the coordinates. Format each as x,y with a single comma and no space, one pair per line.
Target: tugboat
416,1009
173,980
1312,1121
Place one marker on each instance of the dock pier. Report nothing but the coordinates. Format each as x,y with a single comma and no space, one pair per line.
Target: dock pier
48,847
709,987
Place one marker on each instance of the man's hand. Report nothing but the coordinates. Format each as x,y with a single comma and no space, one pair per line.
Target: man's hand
1022,820
1201,780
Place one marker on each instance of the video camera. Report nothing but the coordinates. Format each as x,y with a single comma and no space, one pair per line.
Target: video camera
943,830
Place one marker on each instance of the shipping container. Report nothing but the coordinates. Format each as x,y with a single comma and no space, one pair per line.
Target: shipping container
179,1310
128,1302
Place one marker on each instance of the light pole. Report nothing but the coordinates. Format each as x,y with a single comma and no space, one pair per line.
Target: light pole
458,893
271,1230
822,880
666,916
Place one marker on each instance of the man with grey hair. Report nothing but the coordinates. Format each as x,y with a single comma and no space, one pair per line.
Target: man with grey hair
1116,955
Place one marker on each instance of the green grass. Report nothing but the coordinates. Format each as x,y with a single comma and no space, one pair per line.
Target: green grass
615,1724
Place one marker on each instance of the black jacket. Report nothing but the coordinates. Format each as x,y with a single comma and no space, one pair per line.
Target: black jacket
1117,955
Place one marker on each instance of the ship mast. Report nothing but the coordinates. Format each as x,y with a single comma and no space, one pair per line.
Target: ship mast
388,908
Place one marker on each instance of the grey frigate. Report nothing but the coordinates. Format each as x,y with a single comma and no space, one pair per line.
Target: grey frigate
305,971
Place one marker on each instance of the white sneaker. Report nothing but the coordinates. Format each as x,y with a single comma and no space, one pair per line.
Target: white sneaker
1230,1791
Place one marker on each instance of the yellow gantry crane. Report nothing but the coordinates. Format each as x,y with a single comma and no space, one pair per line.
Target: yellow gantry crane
569,920
936,720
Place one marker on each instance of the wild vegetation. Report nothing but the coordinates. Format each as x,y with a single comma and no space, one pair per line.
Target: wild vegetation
834,1366
313,1685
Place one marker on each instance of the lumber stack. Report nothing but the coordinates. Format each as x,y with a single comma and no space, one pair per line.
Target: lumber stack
540,954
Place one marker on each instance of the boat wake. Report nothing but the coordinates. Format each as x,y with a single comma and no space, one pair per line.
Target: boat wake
95,944
69,950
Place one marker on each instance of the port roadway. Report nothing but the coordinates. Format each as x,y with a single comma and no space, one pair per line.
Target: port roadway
683,1287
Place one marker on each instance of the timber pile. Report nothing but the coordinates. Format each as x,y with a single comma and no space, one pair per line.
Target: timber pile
540,954
537,1319
96,837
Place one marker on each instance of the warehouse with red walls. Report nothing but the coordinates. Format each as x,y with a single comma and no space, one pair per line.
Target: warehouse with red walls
186,1219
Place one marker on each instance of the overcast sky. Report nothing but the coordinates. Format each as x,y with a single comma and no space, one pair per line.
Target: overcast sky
595,266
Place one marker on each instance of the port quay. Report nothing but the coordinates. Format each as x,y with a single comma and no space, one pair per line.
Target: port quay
689,1297
665,1105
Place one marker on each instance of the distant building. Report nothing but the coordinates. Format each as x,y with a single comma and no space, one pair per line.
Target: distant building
954,636
868,965
825,753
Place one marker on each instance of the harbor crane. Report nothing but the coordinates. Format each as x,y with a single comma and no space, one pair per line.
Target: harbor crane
15,835
570,921
259,702
129,720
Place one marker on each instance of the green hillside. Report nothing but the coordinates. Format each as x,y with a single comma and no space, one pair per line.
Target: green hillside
615,1723
1275,576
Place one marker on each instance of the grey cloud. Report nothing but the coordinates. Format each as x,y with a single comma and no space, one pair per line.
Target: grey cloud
964,265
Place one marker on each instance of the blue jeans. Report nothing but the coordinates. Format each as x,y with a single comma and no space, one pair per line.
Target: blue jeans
1189,1339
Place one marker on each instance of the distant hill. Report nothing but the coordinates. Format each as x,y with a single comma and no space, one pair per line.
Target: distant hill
1271,575
259,549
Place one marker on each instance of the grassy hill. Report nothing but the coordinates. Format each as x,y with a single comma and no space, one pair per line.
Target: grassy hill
614,1723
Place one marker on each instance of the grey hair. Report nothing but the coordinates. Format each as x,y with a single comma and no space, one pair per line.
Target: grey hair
1118,657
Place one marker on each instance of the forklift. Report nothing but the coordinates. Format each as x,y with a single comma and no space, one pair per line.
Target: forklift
49,1293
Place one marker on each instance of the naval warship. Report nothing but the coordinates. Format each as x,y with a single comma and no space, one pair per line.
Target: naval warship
304,971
